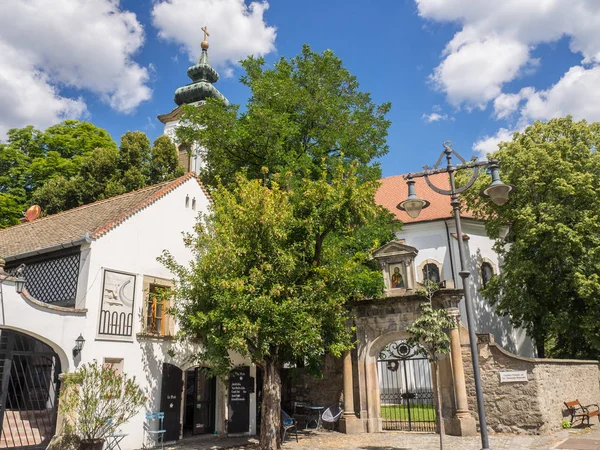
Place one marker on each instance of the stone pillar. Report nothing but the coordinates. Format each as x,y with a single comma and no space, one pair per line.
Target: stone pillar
462,424
349,423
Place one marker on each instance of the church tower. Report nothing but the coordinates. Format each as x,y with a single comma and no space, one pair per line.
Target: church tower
203,77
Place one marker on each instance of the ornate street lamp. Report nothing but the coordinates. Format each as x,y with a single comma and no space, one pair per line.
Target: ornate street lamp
498,192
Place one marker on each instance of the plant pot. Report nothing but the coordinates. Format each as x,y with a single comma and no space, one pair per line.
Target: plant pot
91,444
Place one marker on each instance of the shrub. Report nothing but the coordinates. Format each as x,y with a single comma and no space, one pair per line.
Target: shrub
97,400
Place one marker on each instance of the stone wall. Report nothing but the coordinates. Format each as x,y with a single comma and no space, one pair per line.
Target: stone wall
299,386
531,407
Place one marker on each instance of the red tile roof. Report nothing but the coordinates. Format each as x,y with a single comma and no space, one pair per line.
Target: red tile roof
94,219
393,190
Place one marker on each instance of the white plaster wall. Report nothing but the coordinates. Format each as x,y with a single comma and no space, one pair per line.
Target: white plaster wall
435,241
132,247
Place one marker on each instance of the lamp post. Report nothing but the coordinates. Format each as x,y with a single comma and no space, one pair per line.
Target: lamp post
498,192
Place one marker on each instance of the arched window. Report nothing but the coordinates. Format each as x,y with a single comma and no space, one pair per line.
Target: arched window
487,272
431,272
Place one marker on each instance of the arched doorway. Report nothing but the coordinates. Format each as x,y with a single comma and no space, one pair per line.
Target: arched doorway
405,389
28,391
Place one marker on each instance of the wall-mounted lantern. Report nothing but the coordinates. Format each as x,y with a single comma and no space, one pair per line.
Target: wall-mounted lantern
78,346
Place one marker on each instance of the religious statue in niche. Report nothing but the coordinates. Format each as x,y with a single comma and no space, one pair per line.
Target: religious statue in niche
397,276
116,314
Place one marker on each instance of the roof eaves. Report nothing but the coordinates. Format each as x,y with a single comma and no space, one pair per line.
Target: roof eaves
169,187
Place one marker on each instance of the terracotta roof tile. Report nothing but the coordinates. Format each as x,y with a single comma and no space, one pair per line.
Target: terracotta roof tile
94,219
393,190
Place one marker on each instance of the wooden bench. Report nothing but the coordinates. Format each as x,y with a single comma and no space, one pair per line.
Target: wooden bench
578,411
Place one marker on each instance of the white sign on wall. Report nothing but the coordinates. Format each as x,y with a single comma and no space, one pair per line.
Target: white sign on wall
513,376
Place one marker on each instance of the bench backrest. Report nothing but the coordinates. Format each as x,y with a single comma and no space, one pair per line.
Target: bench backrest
574,407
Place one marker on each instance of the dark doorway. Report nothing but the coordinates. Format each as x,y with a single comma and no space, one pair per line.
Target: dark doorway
200,395
170,400
405,389
29,372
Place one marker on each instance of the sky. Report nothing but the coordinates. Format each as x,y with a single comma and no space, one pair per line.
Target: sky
468,71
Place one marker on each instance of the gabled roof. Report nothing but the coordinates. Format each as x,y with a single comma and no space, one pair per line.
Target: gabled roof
85,222
393,190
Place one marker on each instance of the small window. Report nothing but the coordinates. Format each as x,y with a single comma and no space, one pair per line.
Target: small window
487,272
187,201
157,305
194,203
431,272
115,363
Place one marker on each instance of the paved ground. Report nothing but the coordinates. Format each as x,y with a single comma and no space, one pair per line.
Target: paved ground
587,439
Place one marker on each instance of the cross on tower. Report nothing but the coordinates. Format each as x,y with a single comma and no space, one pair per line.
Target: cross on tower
206,33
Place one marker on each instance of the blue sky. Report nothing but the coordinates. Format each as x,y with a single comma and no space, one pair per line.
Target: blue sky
469,71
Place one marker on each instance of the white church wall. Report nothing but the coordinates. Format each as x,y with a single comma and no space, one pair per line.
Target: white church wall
435,241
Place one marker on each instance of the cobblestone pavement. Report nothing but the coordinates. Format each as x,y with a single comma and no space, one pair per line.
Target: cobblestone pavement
312,440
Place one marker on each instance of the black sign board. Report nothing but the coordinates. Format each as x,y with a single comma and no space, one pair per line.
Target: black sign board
170,400
240,386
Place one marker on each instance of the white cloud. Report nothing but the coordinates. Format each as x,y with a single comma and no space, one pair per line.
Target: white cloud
494,44
489,144
435,117
576,93
236,29
81,44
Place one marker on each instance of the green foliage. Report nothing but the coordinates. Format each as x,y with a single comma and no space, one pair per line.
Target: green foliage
428,331
75,163
565,424
164,161
97,400
550,278
263,283
302,113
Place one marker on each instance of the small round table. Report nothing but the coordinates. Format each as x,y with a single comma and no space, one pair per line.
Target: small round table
314,415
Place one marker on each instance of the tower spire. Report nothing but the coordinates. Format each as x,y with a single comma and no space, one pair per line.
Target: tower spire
203,77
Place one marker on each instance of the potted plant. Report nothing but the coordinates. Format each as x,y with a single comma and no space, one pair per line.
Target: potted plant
96,400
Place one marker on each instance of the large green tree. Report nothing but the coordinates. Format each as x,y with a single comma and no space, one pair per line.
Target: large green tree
294,220
302,111
29,158
549,282
263,286
75,163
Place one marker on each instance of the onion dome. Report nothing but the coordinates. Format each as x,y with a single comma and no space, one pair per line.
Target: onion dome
203,76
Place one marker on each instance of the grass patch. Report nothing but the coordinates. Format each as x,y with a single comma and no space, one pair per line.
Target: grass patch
418,413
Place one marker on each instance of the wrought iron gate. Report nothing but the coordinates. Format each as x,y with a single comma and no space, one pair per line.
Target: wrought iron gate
406,389
29,389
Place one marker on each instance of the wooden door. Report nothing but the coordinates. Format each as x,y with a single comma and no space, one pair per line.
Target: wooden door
170,400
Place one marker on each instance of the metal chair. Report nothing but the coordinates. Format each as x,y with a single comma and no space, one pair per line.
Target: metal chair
112,439
287,423
160,432
332,414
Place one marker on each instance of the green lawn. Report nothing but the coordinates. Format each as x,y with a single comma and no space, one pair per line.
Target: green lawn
418,413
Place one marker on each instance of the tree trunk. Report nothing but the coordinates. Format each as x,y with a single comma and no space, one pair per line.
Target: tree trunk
270,437
439,404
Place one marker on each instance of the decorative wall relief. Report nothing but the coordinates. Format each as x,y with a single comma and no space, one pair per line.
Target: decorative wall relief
116,309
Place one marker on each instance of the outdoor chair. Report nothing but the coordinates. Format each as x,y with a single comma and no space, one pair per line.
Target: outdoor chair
332,414
112,439
287,423
160,432
299,413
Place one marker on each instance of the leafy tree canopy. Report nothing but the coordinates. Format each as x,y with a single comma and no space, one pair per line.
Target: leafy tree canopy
303,111
74,163
550,277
